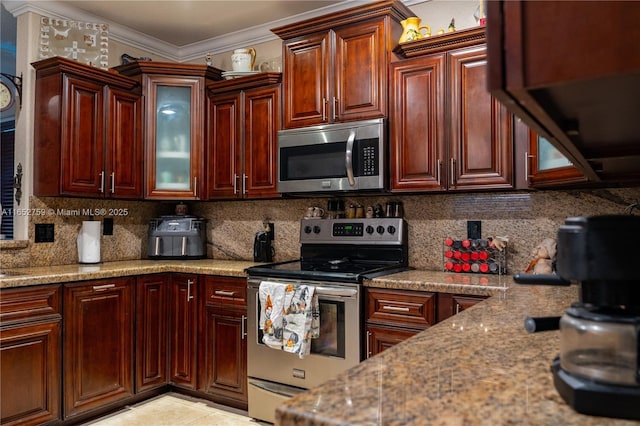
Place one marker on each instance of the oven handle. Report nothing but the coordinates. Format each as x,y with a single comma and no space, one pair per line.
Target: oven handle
349,158
320,290
331,291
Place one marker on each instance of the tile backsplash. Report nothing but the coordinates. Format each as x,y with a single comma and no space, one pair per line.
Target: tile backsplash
525,218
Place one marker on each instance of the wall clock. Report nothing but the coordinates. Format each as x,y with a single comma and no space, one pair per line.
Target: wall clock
7,97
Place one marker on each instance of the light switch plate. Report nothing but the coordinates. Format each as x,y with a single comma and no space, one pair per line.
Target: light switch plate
107,226
44,233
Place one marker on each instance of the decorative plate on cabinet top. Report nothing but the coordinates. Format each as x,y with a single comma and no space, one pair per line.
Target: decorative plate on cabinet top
235,74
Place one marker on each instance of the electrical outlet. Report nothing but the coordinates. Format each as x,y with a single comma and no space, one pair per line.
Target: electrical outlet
474,229
44,233
107,226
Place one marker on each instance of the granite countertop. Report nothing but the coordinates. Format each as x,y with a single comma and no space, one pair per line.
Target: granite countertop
444,282
19,277
479,367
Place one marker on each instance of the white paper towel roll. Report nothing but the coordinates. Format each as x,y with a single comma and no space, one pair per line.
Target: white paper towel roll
89,242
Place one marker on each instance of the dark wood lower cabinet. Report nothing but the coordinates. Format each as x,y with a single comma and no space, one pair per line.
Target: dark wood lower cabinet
451,304
30,356
123,340
152,331
98,344
224,364
380,338
223,350
183,330
395,315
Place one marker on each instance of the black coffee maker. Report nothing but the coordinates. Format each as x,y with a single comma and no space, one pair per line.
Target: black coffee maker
598,369
262,249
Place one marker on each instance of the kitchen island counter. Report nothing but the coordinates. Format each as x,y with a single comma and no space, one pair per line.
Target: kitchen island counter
479,367
20,277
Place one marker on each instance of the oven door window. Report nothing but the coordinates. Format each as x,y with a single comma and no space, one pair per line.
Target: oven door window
332,330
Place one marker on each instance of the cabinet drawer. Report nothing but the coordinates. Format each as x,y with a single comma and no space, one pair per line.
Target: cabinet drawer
225,291
28,303
404,308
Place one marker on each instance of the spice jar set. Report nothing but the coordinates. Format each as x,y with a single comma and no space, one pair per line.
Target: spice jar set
337,210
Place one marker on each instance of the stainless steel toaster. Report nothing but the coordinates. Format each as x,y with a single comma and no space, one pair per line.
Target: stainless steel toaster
177,237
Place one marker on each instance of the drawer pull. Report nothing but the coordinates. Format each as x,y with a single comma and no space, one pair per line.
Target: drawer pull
225,293
103,287
395,308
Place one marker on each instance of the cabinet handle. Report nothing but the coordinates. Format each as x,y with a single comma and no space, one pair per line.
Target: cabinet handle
244,183
224,293
395,308
113,182
189,284
526,166
368,349
453,171
101,174
195,186
103,287
457,308
243,331
324,109
335,108
235,183
439,171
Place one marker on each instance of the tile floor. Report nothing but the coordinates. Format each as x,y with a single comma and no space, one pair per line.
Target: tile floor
175,409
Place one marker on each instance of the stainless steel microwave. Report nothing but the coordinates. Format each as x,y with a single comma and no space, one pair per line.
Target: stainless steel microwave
333,157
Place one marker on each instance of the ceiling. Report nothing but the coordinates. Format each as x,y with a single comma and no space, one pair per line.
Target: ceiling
185,22
183,30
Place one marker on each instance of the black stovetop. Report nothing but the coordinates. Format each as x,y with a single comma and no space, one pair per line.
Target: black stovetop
344,250
337,270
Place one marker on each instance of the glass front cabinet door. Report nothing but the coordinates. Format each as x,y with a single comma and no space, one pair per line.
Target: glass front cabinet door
174,137
547,166
173,126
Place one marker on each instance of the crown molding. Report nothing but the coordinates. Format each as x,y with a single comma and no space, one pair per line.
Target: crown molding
129,36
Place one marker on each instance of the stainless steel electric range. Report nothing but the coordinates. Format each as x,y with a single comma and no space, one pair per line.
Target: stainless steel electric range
336,255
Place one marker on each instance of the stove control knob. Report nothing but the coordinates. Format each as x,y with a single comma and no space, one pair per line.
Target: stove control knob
316,229
369,229
307,229
391,229
380,229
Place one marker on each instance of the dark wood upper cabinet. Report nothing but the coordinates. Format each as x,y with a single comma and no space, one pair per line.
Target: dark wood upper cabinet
336,66
87,132
540,165
446,131
573,77
174,126
243,119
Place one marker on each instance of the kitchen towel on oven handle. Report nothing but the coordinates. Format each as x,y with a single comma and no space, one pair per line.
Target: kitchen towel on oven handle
301,319
272,297
289,316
